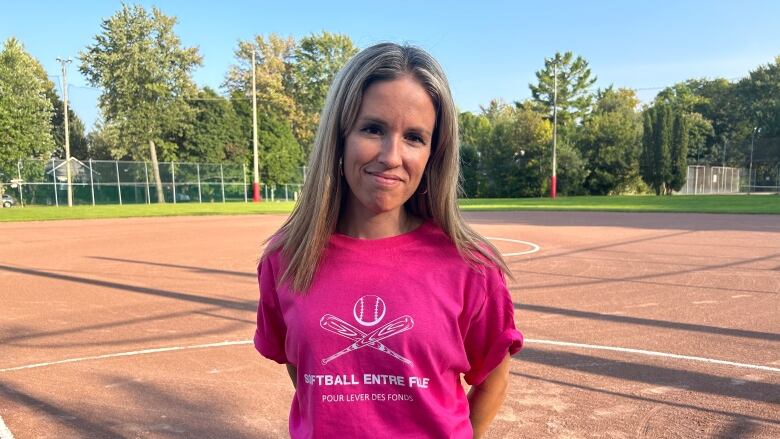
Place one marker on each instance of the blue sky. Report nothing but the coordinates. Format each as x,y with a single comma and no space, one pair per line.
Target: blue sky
489,49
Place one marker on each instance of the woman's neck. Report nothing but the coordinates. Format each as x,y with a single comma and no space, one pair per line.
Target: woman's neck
366,225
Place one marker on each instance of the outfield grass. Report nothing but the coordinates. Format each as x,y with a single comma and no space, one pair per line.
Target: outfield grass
766,204
36,213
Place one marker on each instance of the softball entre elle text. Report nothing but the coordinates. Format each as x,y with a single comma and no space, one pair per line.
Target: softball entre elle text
368,378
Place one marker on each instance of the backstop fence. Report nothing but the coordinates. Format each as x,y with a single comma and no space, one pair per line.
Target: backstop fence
712,180
762,177
44,182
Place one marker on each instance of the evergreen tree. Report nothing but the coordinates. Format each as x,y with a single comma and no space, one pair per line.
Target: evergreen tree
647,157
78,139
679,153
574,98
662,166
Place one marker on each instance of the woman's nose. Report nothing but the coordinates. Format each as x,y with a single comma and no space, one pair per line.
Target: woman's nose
390,155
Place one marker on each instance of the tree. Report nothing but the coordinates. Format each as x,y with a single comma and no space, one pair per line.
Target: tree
469,171
574,98
279,153
474,130
679,152
512,153
662,166
103,143
318,58
760,93
759,101
647,154
688,98
610,141
216,134
665,148
571,170
78,139
292,78
25,109
273,77
700,144
144,72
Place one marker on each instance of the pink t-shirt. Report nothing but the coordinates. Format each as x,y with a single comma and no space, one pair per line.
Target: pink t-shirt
384,333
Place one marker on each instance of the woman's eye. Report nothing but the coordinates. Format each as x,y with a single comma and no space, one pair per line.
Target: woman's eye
416,138
373,130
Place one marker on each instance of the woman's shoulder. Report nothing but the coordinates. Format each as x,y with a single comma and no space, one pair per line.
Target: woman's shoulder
271,252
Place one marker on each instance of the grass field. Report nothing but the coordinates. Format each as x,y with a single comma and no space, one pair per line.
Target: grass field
766,204
757,204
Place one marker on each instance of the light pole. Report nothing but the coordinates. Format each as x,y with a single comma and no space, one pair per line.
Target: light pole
256,180
554,179
65,63
756,130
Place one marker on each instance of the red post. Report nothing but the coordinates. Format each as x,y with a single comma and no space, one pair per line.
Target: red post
256,192
553,189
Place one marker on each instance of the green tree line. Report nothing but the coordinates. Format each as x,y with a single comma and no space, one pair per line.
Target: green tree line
152,110
610,144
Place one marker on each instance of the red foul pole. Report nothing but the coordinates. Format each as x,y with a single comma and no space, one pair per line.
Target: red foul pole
256,192
553,187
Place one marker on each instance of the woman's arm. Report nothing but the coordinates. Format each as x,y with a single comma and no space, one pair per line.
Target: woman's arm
486,398
293,372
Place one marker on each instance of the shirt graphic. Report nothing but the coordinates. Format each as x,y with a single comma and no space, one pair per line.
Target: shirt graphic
368,311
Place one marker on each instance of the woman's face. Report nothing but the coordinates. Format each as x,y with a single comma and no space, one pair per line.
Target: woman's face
386,151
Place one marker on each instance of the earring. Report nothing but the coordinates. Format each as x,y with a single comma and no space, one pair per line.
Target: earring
341,166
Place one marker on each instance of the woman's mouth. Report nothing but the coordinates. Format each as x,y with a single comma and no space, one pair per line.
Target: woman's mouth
387,180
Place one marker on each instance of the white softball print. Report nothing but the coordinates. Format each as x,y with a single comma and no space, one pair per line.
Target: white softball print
369,310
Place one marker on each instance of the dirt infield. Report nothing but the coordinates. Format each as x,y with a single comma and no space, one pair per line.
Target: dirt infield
638,325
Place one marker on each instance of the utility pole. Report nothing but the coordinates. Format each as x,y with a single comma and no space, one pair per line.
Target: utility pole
256,180
553,179
64,63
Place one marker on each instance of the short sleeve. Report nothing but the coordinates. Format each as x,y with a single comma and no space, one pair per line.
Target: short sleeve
271,330
491,333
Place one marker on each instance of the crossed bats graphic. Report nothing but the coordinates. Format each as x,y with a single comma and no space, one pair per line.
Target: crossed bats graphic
335,325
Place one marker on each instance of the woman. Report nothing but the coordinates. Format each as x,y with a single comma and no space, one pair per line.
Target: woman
375,293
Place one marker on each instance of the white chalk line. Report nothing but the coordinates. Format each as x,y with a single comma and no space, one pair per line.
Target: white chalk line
528,340
5,433
534,248
127,354
652,354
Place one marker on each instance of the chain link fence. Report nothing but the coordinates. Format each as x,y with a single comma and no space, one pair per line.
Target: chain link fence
712,180
44,182
761,178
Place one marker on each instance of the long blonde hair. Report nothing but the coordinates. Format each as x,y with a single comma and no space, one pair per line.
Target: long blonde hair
305,233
